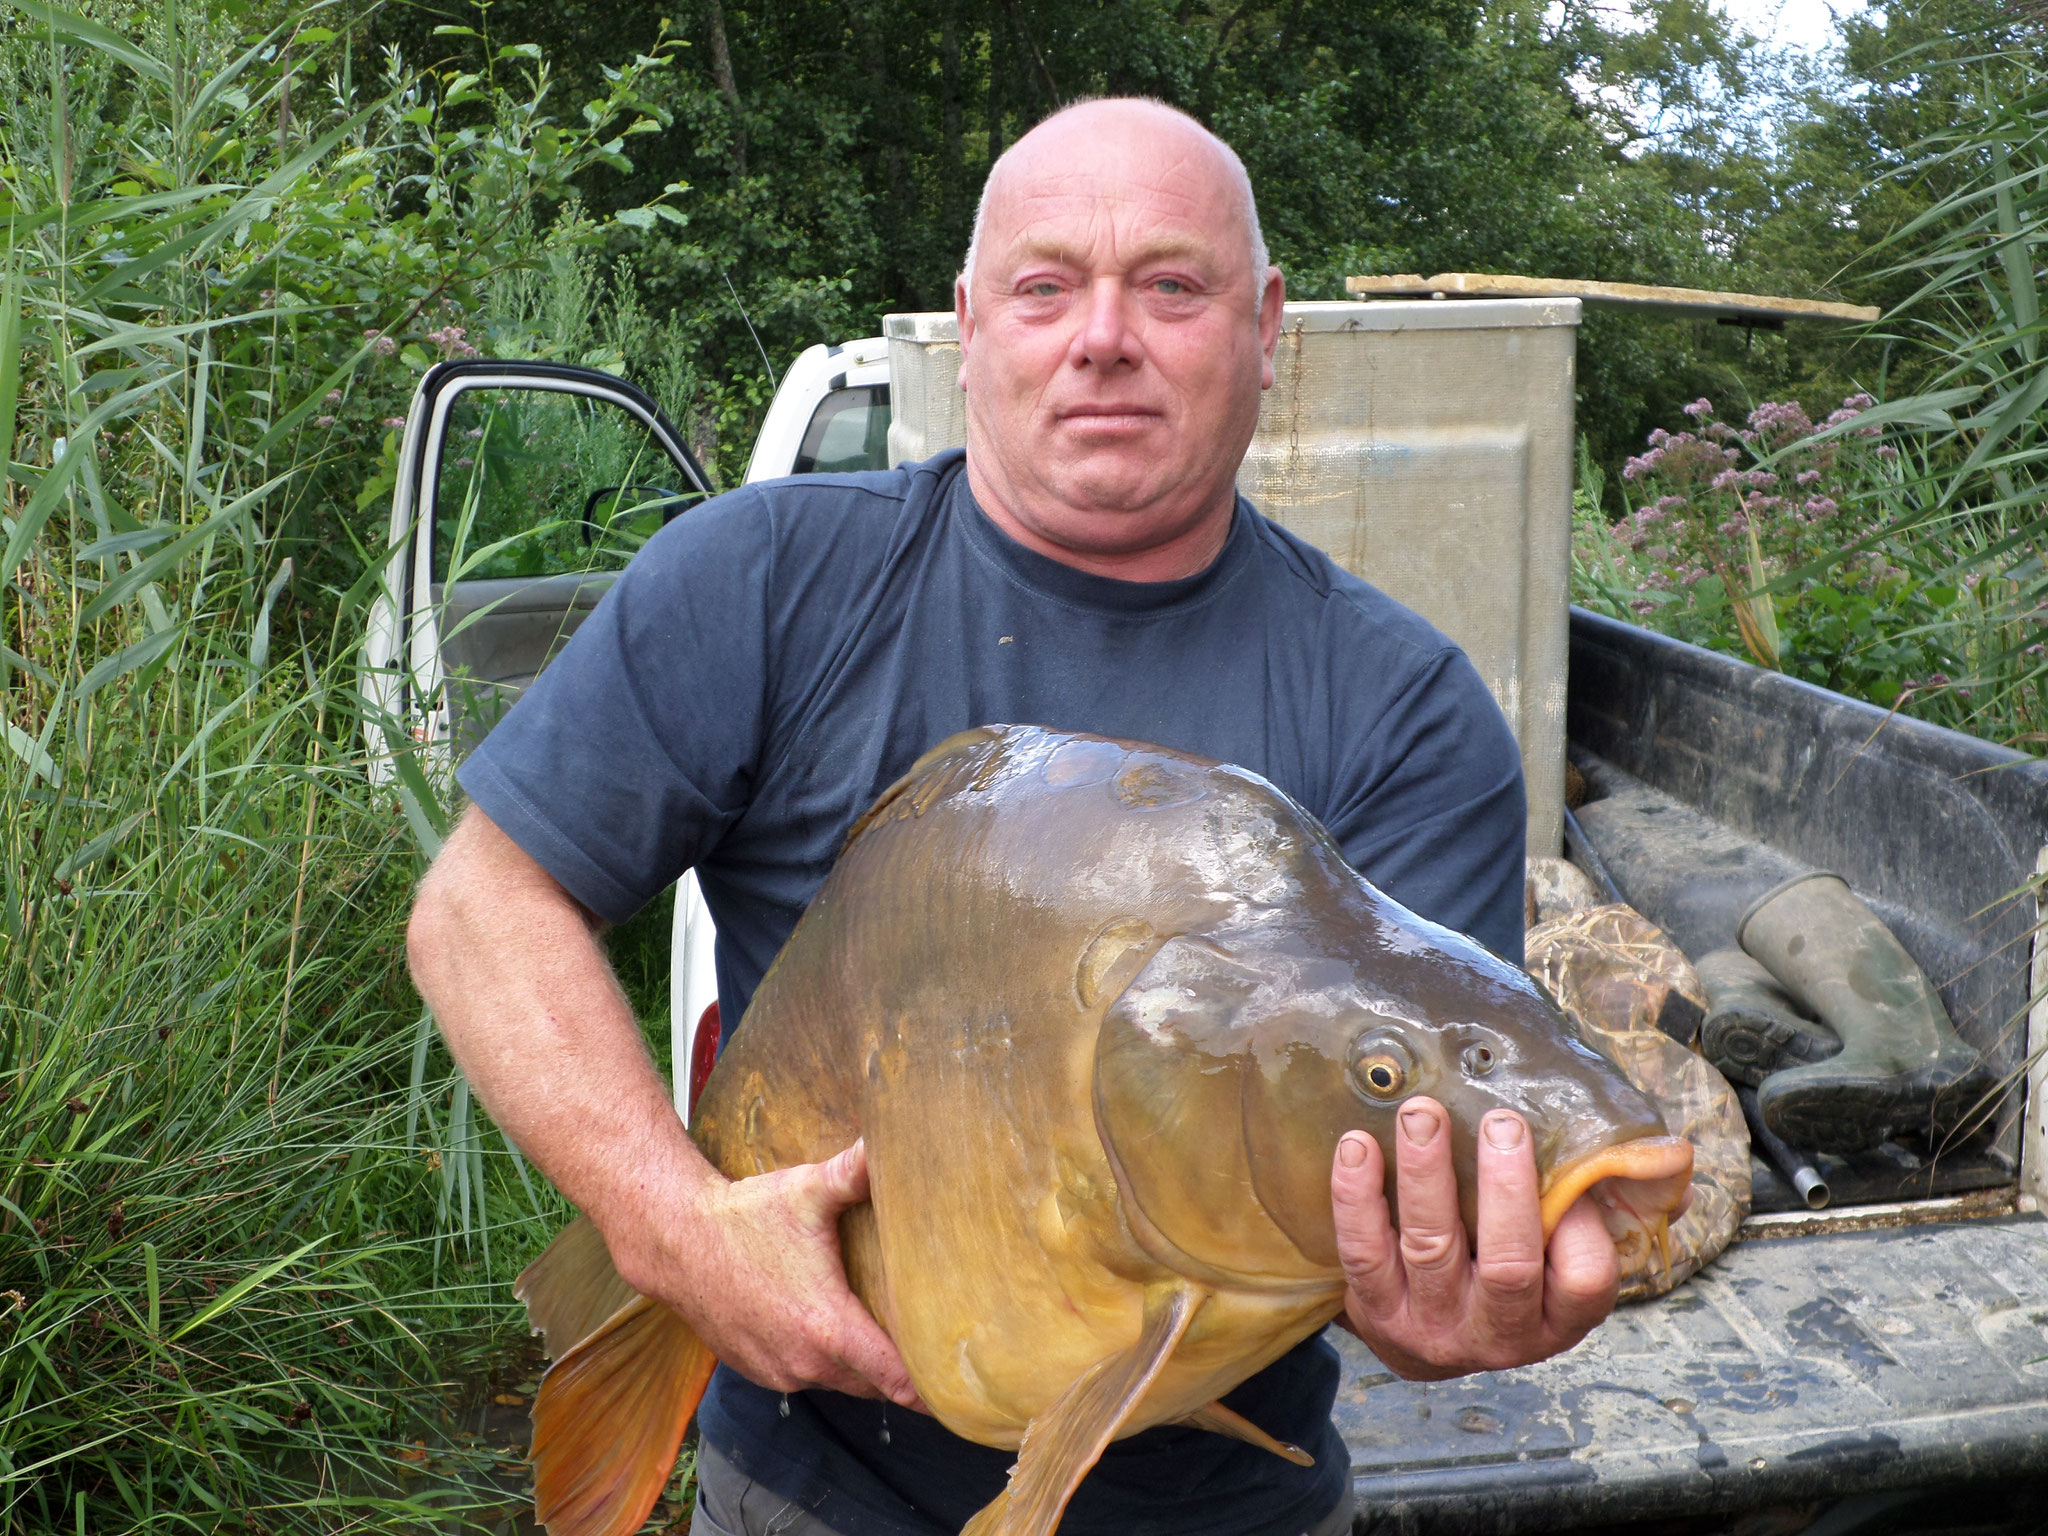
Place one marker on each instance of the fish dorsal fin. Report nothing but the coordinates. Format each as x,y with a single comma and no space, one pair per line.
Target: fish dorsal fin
1061,1444
571,1289
609,1420
928,778
1220,1420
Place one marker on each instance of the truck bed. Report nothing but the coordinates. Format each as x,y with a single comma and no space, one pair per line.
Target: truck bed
1898,1339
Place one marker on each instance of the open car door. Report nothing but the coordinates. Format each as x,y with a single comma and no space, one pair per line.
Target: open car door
523,490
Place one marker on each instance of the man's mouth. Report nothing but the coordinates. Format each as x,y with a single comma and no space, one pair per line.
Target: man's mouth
1094,419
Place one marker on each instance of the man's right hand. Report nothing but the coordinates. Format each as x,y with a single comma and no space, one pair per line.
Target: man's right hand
757,1270
512,967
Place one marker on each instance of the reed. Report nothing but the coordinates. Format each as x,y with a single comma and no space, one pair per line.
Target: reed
254,1244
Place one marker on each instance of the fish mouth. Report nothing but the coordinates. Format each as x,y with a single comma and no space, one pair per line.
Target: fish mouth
1661,1163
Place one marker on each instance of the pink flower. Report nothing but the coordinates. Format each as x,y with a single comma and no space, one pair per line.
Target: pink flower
1887,452
1727,480
1819,509
323,421
1635,469
1700,409
334,397
394,421
380,344
1736,524
1643,605
1659,438
1860,402
1760,478
1646,516
450,340
1806,477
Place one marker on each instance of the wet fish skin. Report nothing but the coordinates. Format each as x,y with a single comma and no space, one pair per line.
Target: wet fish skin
1102,1012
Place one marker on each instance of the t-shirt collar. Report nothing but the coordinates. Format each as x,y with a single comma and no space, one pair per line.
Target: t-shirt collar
1106,594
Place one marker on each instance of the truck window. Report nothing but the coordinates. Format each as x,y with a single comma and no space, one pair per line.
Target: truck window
848,431
546,483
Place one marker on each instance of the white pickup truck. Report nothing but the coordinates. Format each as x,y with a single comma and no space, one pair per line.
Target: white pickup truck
1887,1355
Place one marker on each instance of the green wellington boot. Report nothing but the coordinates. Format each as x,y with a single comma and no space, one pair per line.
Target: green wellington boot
1901,1067
1753,1027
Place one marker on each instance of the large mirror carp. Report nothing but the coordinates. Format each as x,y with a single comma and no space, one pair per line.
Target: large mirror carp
1102,1012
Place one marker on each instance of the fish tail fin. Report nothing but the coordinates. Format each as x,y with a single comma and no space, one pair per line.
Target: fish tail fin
609,1420
571,1290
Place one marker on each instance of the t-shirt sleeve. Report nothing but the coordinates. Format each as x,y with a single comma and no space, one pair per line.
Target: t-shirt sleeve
634,751
1434,812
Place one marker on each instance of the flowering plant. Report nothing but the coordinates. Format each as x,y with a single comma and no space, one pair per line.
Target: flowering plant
1731,539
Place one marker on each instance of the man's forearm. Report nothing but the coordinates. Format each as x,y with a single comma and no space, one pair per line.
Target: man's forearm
514,973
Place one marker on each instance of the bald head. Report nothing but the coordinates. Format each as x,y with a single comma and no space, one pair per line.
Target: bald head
1121,136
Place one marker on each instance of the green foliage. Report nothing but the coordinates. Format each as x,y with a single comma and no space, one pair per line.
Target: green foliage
834,153
254,1242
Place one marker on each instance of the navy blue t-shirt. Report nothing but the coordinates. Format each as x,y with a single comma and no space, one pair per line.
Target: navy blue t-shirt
775,658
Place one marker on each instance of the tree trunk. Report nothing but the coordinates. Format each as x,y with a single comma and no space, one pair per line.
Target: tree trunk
953,158
721,76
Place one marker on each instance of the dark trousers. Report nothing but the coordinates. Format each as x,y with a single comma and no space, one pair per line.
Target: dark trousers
729,1503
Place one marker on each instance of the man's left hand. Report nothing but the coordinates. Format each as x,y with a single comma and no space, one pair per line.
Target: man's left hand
1420,1297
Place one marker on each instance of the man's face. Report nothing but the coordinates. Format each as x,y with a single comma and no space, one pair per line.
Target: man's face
1116,341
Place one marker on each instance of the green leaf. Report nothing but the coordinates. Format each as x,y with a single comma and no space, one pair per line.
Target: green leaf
126,660
31,752
90,854
10,366
243,1287
93,35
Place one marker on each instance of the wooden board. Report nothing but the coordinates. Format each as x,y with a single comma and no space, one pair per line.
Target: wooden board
1740,307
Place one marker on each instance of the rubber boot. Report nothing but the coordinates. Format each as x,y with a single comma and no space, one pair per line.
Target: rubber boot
1901,1067
1753,1028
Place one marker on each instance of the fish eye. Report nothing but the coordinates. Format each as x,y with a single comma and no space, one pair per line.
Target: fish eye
1478,1060
1380,1067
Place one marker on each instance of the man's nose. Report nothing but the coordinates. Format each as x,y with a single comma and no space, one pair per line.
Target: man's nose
1108,338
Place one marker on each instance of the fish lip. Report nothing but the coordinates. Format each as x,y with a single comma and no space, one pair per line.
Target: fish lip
1644,1157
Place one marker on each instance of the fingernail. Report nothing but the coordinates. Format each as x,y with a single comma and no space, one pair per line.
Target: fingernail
1351,1151
1419,1126
1504,1130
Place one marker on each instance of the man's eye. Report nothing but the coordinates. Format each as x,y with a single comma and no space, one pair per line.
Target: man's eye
1045,290
1171,285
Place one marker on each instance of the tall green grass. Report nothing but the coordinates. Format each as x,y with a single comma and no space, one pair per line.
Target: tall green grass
254,1244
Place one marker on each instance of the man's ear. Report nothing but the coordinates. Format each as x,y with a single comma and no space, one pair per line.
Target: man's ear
963,317
1272,308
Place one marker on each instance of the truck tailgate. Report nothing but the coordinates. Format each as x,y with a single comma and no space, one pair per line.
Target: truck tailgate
1795,1368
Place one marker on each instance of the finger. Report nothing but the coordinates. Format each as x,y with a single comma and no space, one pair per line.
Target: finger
1508,1268
870,1356
1434,1252
1367,1245
842,1181
1582,1274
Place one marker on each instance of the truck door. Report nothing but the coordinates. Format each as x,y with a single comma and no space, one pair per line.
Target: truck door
524,488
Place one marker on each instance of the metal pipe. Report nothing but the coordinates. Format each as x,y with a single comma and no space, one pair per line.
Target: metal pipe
1798,1169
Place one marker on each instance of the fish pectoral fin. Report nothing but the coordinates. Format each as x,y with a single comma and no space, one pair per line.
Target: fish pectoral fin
1220,1420
608,1421
1061,1444
571,1289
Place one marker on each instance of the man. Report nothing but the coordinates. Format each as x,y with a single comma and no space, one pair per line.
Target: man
774,659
